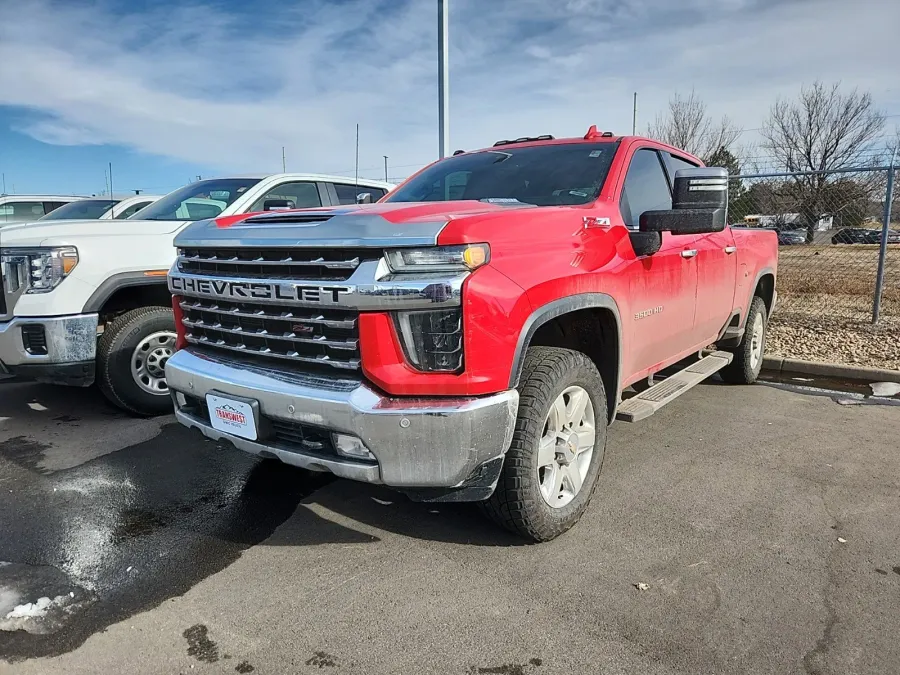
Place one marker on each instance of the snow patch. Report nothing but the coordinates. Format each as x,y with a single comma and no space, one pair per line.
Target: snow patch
885,388
42,616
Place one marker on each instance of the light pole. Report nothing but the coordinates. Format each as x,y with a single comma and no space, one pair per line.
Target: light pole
444,76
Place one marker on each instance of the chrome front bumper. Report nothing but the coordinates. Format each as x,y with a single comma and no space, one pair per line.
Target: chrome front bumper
70,340
417,442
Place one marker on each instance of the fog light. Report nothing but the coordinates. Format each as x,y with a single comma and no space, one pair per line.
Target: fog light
351,446
432,340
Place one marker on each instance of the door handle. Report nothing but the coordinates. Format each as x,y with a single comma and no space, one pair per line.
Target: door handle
730,249
689,253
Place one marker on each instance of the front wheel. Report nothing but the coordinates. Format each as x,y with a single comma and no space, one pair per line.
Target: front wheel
557,450
748,355
131,360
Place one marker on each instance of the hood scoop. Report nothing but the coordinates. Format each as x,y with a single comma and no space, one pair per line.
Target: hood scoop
287,217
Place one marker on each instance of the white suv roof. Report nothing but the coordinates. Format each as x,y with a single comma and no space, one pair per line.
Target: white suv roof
42,198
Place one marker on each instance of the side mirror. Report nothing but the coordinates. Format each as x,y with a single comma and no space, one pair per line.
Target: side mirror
278,205
699,205
364,198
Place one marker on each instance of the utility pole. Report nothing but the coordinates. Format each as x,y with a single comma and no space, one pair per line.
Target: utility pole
634,116
112,209
444,76
4,178
385,169
357,154
283,165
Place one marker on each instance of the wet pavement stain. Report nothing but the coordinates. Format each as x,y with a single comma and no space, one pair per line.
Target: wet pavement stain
244,667
507,668
137,526
136,523
897,569
881,571
66,419
24,451
322,660
199,644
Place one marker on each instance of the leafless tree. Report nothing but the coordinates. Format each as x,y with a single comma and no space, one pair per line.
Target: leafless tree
687,125
823,130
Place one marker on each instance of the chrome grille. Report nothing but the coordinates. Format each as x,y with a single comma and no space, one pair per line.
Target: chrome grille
287,264
327,338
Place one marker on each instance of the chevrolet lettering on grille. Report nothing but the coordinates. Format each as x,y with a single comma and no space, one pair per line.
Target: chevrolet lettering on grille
258,290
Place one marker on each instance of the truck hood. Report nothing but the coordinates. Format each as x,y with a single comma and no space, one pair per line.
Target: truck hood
388,224
65,232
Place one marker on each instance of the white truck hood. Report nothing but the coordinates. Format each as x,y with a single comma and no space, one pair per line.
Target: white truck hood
63,232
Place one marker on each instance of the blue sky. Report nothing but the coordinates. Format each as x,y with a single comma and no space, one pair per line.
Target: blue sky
168,91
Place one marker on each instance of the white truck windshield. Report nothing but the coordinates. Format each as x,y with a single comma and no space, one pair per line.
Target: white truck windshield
203,199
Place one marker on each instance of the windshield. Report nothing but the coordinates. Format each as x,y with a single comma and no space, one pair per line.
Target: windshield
203,199
83,209
545,175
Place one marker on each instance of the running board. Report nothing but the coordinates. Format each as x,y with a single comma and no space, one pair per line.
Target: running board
648,402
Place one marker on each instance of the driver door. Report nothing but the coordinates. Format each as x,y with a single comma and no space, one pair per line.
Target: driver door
662,286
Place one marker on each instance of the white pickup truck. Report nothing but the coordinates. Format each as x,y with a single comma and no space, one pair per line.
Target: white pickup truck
84,301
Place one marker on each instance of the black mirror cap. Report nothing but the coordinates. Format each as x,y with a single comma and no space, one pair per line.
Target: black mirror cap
683,221
364,198
701,188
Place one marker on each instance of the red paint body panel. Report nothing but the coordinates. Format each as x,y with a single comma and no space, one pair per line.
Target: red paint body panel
491,302
669,305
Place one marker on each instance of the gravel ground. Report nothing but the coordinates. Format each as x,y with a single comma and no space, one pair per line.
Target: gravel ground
815,327
824,310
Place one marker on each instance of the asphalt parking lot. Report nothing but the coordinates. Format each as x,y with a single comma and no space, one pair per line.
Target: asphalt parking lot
762,520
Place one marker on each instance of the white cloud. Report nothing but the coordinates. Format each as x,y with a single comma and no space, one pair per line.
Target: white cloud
198,84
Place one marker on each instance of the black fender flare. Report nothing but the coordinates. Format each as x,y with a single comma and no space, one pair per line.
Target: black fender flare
557,308
118,281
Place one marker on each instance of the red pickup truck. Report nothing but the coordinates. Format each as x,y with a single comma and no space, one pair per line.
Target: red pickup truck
469,337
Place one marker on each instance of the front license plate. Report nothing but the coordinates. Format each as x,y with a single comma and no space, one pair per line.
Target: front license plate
232,417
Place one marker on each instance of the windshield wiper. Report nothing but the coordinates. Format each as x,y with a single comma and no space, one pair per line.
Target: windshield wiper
508,201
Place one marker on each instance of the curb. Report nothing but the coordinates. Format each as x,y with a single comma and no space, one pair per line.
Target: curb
778,364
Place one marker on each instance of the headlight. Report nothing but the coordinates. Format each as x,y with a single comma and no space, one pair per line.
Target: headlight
438,258
37,270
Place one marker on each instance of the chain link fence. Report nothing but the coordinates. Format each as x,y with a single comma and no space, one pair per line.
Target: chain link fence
836,238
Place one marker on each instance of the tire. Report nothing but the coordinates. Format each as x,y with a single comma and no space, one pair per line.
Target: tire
748,359
518,503
117,351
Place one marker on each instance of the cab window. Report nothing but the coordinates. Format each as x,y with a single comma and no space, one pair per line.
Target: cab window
347,193
20,212
646,187
303,195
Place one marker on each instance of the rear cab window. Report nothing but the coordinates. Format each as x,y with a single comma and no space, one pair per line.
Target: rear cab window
347,194
675,163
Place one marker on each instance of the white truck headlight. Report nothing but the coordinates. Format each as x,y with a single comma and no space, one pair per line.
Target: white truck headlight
438,258
37,270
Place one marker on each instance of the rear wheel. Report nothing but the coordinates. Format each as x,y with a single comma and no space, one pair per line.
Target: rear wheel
557,450
748,355
131,360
